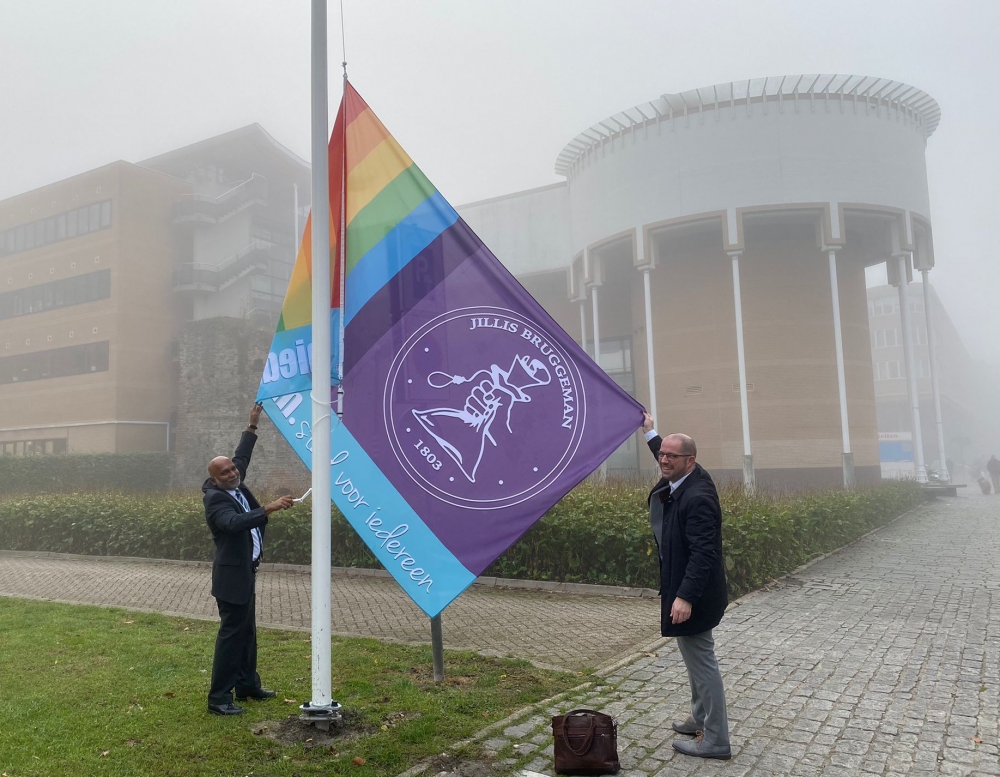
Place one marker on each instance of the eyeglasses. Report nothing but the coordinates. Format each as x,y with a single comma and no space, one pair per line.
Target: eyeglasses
673,456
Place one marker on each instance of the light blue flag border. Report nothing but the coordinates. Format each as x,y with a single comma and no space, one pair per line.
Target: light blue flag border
424,568
301,381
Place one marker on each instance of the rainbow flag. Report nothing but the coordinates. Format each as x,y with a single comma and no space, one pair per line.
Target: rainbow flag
468,412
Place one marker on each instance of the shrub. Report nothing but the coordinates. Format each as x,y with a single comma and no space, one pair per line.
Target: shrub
598,533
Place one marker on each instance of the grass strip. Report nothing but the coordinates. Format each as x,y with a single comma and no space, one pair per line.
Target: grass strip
89,690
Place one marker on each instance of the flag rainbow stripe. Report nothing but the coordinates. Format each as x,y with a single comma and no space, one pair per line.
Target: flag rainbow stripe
393,215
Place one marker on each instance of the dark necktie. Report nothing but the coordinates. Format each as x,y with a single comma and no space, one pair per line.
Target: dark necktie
246,506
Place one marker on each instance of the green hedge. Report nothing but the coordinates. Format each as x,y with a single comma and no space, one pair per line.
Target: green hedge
92,471
599,533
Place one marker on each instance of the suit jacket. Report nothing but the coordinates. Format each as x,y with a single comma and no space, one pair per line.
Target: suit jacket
230,524
690,544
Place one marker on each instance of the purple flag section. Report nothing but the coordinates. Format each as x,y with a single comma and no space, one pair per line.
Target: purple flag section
477,407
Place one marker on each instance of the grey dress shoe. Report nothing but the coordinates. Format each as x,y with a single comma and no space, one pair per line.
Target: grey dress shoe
686,726
699,748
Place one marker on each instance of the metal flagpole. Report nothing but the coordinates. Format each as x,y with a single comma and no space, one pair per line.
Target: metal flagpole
320,709
437,648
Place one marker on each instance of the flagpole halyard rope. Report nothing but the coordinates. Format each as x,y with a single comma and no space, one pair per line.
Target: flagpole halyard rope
343,40
342,259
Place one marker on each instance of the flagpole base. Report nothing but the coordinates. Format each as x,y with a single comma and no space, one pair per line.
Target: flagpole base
322,716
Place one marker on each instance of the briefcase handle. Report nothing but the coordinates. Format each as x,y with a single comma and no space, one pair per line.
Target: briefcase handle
591,716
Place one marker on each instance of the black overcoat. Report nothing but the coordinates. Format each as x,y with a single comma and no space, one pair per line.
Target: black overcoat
691,561
230,524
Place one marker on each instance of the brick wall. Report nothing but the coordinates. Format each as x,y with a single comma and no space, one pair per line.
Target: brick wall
220,367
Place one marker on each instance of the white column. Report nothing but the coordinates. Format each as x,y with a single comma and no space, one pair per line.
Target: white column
647,298
597,326
935,388
847,459
583,323
321,522
911,374
748,473
597,352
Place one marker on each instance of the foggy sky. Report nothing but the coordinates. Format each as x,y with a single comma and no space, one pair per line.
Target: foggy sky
483,94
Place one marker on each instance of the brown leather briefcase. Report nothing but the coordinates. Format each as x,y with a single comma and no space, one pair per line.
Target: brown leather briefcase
586,742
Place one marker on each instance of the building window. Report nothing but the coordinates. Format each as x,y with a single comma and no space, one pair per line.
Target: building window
33,447
616,361
56,294
55,363
79,221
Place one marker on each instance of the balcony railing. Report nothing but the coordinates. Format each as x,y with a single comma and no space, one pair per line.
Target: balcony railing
205,209
197,276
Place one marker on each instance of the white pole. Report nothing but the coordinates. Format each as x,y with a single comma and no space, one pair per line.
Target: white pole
321,519
597,358
935,387
583,324
295,189
838,338
647,297
597,328
748,476
911,373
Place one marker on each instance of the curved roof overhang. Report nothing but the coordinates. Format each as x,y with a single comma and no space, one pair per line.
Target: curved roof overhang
867,89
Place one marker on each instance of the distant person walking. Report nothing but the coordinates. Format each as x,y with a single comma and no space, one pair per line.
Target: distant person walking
993,467
686,519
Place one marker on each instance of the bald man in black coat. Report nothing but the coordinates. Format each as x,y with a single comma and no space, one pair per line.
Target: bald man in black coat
237,522
686,518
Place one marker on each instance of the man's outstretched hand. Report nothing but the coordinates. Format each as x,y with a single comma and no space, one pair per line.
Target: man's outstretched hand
281,503
647,422
255,412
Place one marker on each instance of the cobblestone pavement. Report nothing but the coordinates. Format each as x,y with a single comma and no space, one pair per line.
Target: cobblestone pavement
553,630
881,660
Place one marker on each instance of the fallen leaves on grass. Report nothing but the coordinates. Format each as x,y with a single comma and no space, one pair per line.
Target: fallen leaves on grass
358,761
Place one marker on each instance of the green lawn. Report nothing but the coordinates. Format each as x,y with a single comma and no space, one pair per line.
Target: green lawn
88,690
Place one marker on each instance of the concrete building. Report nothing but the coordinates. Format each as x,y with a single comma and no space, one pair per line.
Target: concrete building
710,247
965,433
100,273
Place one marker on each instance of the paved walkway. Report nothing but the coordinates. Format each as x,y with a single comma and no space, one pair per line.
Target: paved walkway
883,659
552,630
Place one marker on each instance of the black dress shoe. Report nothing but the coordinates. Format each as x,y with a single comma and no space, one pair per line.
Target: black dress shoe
225,709
256,694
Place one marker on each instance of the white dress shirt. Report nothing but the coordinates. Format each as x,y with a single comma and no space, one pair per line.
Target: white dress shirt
254,532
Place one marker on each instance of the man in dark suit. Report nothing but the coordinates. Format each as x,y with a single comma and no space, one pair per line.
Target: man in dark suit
237,523
686,518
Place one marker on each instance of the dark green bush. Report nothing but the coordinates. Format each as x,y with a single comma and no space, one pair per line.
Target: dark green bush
598,533
90,471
